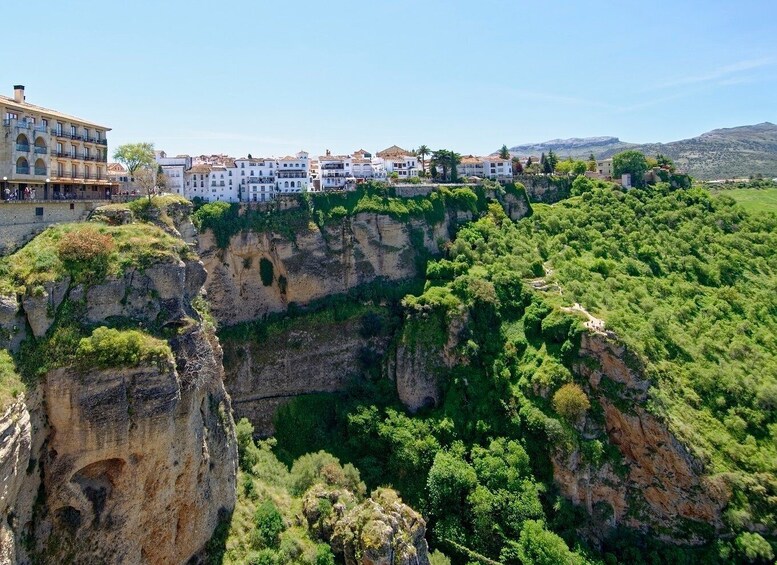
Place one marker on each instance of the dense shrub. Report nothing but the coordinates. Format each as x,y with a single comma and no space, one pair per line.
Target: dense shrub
120,348
85,253
268,525
571,402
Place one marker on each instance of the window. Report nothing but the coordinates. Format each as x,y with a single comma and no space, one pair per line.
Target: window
11,116
73,131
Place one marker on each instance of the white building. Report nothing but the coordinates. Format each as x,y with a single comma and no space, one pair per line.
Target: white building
366,167
471,166
292,175
257,178
196,181
400,161
489,167
497,168
174,169
335,171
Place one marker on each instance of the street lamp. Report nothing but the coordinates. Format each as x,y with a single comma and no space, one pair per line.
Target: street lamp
46,194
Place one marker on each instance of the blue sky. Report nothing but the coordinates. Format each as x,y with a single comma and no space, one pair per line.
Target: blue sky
270,78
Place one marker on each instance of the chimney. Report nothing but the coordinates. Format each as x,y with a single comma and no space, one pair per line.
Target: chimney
18,93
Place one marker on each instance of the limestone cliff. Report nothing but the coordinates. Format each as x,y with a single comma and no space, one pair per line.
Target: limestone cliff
307,357
139,464
316,263
133,464
658,486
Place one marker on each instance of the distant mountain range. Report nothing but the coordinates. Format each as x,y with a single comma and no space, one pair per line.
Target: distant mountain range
720,153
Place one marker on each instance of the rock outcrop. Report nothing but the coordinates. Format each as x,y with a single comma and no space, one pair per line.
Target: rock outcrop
382,530
126,465
139,464
658,486
315,264
305,358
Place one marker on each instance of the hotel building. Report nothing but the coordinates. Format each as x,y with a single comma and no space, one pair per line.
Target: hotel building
50,154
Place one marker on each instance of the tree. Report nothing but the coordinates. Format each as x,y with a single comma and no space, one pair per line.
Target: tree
504,153
571,402
552,160
423,151
447,161
591,165
146,179
517,167
135,155
630,162
539,546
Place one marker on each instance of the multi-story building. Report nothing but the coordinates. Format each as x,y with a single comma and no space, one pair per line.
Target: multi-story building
604,168
365,167
471,166
497,168
120,179
490,167
174,169
257,178
400,161
51,153
223,182
196,182
335,171
292,174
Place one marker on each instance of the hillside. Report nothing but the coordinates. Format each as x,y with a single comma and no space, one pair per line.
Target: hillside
722,153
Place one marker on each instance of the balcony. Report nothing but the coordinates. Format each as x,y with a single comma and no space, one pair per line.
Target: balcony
332,166
22,170
40,150
40,171
22,147
40,128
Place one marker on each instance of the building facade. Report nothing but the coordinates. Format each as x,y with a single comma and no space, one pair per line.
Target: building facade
335,171
174,169
49,154
400,161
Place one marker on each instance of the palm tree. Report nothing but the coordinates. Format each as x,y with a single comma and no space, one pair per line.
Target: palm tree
423,151
447,161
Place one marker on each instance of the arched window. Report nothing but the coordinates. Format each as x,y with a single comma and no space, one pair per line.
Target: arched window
22,143
22,166
286,184
40,167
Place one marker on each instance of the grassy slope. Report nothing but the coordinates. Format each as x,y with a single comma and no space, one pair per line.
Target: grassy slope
753,200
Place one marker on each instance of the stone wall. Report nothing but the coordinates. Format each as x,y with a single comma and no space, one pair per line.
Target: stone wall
20,221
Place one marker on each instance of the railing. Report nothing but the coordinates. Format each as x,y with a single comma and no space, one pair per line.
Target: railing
23,148
20,170
6,122
41,128
332,166
40,150
40,171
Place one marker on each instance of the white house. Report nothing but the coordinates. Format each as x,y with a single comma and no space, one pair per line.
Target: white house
364,166
497,168
471,166
196,182
256,178
293,174
174,169
400,161
335,171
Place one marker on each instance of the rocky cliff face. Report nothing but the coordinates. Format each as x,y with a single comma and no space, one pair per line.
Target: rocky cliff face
127,465
317,263
305,358
659,487
139,463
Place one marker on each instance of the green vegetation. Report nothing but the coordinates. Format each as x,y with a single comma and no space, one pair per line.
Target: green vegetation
688,283
11,385
87,253
316,211
753,196
269,524
107,348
